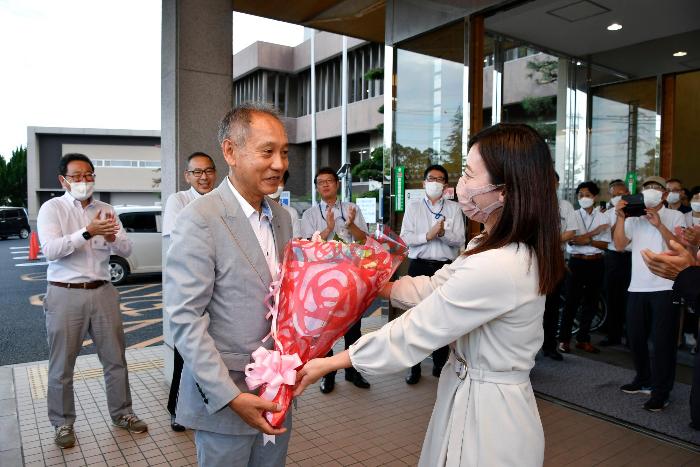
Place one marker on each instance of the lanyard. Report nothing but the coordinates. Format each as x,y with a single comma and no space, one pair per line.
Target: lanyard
436,214
590,224
341,211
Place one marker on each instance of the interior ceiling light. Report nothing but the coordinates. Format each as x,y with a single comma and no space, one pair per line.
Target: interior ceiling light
680,53
615,27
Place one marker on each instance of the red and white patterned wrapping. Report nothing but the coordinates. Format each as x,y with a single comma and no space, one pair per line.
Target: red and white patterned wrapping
324,288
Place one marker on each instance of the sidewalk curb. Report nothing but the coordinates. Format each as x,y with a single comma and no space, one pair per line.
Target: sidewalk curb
10,441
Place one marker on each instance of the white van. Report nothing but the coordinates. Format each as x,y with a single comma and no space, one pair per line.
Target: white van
143,225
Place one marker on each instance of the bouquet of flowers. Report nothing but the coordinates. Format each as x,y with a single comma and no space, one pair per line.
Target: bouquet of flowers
322,290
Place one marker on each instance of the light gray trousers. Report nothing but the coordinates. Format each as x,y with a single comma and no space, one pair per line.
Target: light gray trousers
71,314
217,450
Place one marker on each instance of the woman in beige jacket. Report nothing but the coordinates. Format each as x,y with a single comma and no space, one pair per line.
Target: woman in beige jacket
487,305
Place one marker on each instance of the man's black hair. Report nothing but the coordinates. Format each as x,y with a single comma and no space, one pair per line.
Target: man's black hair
327,171
200,154
592,187
285,177
74,156
435,167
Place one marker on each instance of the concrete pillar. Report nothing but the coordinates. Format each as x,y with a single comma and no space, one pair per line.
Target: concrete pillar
196,91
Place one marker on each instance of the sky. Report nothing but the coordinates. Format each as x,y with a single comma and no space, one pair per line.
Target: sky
92,63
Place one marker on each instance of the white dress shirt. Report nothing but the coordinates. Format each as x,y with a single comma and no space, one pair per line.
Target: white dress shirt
420,216
174,205
567,219
586,223
296,221
644,235
314,220
261,222
61,223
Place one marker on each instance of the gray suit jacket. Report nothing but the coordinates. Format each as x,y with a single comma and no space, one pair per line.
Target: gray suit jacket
216,278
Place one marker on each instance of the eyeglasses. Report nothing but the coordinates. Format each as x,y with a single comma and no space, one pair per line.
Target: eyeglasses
88,177
435,179
199,172
654,186
325,181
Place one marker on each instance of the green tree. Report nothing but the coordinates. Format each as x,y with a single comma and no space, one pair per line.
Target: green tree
370,168
13,178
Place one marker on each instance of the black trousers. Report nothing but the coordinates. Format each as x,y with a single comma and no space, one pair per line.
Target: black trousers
550,320
653,315
583,286
618,271
350,337
175,385
422,267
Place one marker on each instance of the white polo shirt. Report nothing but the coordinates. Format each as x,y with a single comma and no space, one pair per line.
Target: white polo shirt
643,235
586,223
612,219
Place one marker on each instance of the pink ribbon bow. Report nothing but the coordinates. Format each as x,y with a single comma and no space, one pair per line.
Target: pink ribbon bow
273,369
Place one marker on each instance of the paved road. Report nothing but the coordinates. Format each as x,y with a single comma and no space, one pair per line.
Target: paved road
22,288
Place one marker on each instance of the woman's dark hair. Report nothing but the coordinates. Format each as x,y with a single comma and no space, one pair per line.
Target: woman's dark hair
516,156
327,171
437,167
694,191
68,158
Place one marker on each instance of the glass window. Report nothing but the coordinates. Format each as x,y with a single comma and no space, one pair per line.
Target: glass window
139,222
428,117
624,131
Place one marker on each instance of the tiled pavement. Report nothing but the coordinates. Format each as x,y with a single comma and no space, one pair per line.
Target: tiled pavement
381,426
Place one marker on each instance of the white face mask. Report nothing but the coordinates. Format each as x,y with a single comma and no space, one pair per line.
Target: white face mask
434,189
673,198
652,197
277,193
615,199
81,190
585,202
695,206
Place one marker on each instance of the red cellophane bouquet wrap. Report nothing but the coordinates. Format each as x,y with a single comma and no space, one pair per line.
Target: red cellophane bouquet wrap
323,289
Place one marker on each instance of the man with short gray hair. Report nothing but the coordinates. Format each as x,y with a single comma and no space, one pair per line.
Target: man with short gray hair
229,245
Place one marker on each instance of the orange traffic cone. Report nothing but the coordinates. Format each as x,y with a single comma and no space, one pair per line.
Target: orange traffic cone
33,246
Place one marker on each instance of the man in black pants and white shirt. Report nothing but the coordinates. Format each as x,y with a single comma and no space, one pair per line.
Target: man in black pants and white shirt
650,308
433,229
586,266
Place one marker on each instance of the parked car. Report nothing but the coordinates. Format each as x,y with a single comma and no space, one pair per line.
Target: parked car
143,227
14,221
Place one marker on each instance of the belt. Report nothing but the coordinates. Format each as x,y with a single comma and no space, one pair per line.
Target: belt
79,285
588,257
488,376
432,261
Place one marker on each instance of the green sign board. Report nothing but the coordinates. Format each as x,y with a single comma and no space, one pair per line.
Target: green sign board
399,188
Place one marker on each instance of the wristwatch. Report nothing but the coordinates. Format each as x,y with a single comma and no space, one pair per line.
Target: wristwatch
87,235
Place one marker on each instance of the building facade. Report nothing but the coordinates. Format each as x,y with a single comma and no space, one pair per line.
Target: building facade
127,164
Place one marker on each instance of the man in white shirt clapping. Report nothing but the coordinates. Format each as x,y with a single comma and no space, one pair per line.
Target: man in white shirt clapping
650,308
78,234
433,229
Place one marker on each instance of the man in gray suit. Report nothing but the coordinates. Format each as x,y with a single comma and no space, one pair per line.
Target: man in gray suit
224,254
